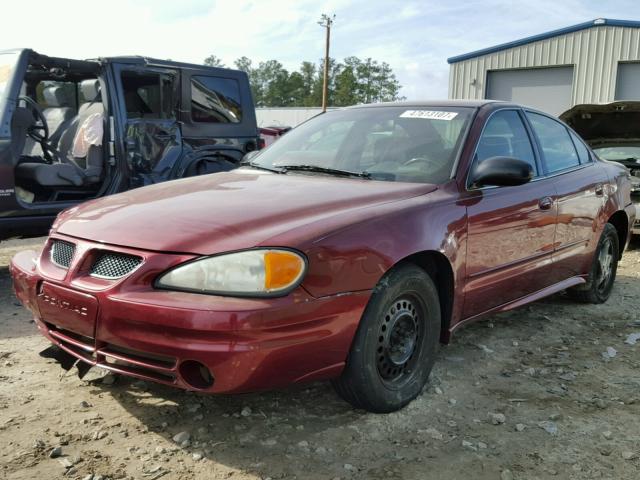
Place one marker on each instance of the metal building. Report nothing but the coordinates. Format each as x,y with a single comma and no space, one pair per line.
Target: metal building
592,62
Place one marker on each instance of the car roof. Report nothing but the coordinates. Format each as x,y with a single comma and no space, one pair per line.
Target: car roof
142,60
435,103
128,59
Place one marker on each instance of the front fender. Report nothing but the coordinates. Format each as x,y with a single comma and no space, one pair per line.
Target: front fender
355,257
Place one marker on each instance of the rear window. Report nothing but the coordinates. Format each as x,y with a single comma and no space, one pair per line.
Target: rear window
215,100
148,95
583,152
557,147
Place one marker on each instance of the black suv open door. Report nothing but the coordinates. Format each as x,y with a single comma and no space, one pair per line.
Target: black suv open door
150,120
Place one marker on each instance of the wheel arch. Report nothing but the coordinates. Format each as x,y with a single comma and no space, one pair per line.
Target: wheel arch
439,268
621,223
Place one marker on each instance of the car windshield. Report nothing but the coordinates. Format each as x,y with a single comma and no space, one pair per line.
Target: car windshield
403,144
624,152
7,65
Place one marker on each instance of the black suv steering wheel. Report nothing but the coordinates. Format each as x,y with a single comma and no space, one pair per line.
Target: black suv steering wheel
38,132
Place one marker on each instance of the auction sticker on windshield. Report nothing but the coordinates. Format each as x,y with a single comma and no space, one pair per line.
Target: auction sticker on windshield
429,114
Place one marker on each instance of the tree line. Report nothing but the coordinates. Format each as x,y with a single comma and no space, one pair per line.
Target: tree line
351,82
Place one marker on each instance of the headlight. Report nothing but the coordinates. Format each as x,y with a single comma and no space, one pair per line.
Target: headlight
248,273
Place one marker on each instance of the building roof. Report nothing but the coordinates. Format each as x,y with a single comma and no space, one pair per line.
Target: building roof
598,22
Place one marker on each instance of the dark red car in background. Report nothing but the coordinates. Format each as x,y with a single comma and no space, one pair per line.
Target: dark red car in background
347,250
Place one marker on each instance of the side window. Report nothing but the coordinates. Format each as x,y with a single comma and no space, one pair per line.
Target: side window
557,147
215,100
148,95
583,152
506,136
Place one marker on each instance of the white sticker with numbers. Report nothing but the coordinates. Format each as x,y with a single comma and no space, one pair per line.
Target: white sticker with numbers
429,114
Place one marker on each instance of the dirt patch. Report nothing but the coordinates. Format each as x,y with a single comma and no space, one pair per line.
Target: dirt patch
534,393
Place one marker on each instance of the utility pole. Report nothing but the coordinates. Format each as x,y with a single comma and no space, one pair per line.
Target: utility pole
326,21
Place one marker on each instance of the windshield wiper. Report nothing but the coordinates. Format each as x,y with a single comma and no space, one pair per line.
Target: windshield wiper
261,167
327,170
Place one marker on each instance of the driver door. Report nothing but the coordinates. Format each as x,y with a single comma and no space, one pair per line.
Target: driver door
510,229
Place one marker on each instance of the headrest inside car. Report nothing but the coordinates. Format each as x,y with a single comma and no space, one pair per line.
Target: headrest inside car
90,89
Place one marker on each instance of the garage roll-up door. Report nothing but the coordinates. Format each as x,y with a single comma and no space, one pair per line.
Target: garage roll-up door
628,83
547,89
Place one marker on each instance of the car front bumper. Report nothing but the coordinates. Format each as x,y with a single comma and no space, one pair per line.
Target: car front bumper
128,327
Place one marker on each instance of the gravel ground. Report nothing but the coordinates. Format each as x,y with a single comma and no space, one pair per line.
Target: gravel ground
549,391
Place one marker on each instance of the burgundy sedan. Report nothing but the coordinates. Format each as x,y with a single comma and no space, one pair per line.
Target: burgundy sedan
347,251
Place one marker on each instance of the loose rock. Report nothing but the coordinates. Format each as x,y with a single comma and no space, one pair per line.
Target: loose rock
632,338
506,475
55,452
181,437
549,427
197,456
497,418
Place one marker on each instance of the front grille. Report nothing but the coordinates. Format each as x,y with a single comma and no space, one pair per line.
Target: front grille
62,253
114,265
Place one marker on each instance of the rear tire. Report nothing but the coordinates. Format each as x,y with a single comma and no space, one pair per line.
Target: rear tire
396,343
603,269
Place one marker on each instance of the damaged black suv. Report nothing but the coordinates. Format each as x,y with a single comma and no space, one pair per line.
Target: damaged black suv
72,130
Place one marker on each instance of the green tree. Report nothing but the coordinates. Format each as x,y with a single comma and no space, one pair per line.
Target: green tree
347,86
213,61
334,68
271,80
351,82
308,74
246,65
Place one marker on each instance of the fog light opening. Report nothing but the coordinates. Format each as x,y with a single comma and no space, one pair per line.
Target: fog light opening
196,374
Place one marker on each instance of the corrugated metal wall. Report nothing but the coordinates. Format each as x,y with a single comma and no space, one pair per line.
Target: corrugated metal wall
594,52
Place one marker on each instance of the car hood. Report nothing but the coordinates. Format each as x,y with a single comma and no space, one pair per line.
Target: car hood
229,211
606,125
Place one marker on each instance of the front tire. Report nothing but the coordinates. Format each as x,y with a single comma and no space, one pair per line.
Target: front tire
603,269
396,343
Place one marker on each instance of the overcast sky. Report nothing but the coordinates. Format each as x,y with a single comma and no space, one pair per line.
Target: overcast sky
414,37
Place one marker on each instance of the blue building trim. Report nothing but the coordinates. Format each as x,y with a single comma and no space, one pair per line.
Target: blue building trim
542,36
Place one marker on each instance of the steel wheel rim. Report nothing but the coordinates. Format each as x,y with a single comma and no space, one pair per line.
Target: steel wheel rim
605,265
399,341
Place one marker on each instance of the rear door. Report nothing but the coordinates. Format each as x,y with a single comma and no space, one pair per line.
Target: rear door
510,229
218,119
580,184
149,102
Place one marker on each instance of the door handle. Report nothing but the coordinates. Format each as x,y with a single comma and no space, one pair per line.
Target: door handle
599,189
545,203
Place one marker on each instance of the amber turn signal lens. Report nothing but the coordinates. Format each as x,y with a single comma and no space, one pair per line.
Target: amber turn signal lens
282,269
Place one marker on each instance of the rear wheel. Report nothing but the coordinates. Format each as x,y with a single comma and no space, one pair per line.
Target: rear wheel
603,269
395,345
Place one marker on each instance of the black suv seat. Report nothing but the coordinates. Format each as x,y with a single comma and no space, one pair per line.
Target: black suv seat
70,170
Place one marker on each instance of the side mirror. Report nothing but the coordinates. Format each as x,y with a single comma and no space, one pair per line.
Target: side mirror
501,172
